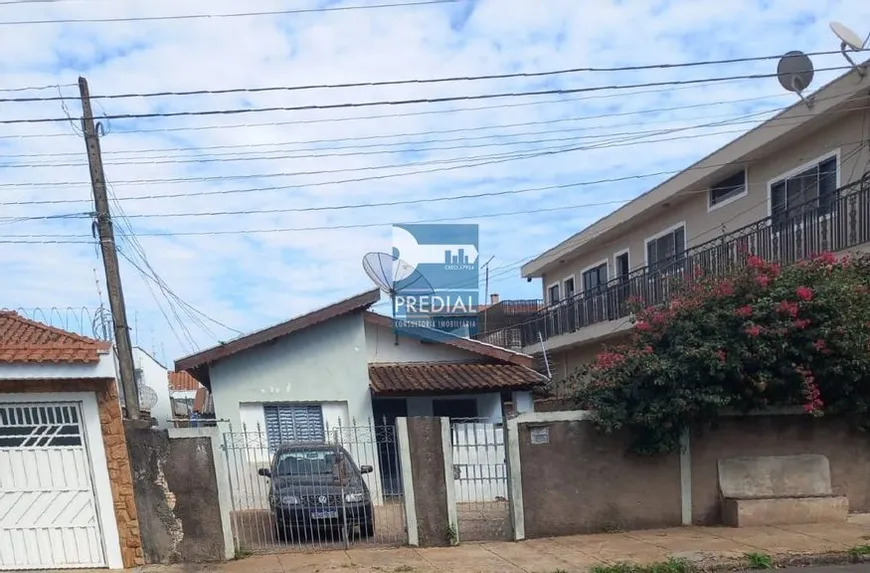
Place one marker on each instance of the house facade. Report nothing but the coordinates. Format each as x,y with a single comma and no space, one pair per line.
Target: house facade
153,390
793,186
65,480
344,373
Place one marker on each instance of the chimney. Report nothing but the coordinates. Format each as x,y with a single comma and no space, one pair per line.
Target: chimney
493,298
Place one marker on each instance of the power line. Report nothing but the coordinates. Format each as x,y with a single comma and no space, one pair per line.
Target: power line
222,16
413,113
425,81
582,183
414,101
434,132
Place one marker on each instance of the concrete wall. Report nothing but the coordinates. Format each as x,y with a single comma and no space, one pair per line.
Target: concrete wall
430,487
848,452
843,136
177,496
584,482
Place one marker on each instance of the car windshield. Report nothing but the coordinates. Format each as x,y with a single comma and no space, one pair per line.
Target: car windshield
312,464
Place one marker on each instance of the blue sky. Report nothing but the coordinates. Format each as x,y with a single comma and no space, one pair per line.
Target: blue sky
249,279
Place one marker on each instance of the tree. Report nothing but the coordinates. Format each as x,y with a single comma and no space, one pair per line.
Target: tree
763,336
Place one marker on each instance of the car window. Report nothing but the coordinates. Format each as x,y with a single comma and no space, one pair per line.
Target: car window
307,463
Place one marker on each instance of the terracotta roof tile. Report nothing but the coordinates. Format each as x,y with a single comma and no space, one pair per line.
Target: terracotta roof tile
26,341
449,377
182,382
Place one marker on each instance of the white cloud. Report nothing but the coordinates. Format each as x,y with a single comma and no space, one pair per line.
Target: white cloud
251,279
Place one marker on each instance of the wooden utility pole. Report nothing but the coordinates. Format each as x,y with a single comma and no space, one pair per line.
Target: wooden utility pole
110,256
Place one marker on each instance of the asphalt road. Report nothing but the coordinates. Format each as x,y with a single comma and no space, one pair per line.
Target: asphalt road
851,568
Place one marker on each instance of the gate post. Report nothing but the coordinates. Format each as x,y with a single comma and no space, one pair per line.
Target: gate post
425,476
449,481
515,479
404,446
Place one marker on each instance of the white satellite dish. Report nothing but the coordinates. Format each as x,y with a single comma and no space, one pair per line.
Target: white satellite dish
849,40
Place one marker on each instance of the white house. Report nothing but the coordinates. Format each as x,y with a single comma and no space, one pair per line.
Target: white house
343,372
151,378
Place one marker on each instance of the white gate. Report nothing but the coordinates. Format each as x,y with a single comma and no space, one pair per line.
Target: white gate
48,516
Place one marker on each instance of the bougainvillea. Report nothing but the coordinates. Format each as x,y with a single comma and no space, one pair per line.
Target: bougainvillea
762,336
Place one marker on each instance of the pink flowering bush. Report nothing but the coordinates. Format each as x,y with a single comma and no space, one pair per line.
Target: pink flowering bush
764,336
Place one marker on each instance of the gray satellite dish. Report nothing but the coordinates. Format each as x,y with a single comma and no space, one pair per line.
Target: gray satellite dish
392,274
147,397
795,73
849,40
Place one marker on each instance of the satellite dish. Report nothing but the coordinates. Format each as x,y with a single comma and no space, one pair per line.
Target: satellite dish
393,275
849,40
147,397
795,73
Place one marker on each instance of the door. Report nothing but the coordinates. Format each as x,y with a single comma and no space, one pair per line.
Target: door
48,517
622,292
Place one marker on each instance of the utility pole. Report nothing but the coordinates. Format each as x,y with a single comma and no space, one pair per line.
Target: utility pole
110,255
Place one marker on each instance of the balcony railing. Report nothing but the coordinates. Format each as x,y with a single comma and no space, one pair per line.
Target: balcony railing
809,229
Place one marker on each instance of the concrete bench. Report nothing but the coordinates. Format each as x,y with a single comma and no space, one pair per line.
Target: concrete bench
776,490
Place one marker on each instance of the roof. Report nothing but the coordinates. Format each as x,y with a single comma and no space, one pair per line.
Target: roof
24,341
203,403
467,344
789,121
182,382
441,377
195,363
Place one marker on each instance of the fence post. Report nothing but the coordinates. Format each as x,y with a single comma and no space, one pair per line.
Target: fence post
685,478
404,447
515,479
449,481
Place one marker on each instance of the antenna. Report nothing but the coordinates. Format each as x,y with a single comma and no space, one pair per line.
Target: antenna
849,40
795,73
391,274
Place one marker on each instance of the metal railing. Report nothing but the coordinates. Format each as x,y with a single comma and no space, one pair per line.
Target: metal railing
806,230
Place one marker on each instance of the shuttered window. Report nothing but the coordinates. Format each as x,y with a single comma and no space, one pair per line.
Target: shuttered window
288,423
815,188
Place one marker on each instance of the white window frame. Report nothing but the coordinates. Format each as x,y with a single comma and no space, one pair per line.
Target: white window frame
563,292
800,168
711,207
661,234
547,294
605,262
618,254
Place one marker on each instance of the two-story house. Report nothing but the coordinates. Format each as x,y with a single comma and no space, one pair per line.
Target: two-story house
793,186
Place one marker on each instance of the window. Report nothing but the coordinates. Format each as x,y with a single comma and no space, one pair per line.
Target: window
568,287
728,189
31,426
288,423
666,249
814,188
594,279
553,294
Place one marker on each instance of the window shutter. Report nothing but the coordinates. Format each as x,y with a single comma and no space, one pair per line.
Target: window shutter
287,423
651,257
679,241
777,200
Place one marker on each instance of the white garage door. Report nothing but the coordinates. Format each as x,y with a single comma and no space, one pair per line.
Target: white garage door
48,516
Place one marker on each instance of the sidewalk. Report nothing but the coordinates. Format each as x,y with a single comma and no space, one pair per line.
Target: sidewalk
705,545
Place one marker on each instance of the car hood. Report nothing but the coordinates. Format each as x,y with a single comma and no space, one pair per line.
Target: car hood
315,485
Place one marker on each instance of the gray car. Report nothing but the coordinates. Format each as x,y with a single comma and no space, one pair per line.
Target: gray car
315,487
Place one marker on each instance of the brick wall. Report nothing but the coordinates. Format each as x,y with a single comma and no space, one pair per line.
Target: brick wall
116,452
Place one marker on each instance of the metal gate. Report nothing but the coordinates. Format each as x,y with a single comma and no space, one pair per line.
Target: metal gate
48,516
336,492
480,479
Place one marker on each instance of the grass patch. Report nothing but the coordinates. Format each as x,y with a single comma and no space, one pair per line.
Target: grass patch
759,561
669,566
403,569
859,551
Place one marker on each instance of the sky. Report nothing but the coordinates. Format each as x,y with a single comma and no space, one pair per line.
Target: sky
199,267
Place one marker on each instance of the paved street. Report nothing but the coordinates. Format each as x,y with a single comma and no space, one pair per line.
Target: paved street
702,545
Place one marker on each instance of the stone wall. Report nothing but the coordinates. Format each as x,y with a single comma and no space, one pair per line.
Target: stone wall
115,444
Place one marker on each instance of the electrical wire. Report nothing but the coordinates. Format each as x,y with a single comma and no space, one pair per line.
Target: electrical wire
223,16
415,101
425,81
